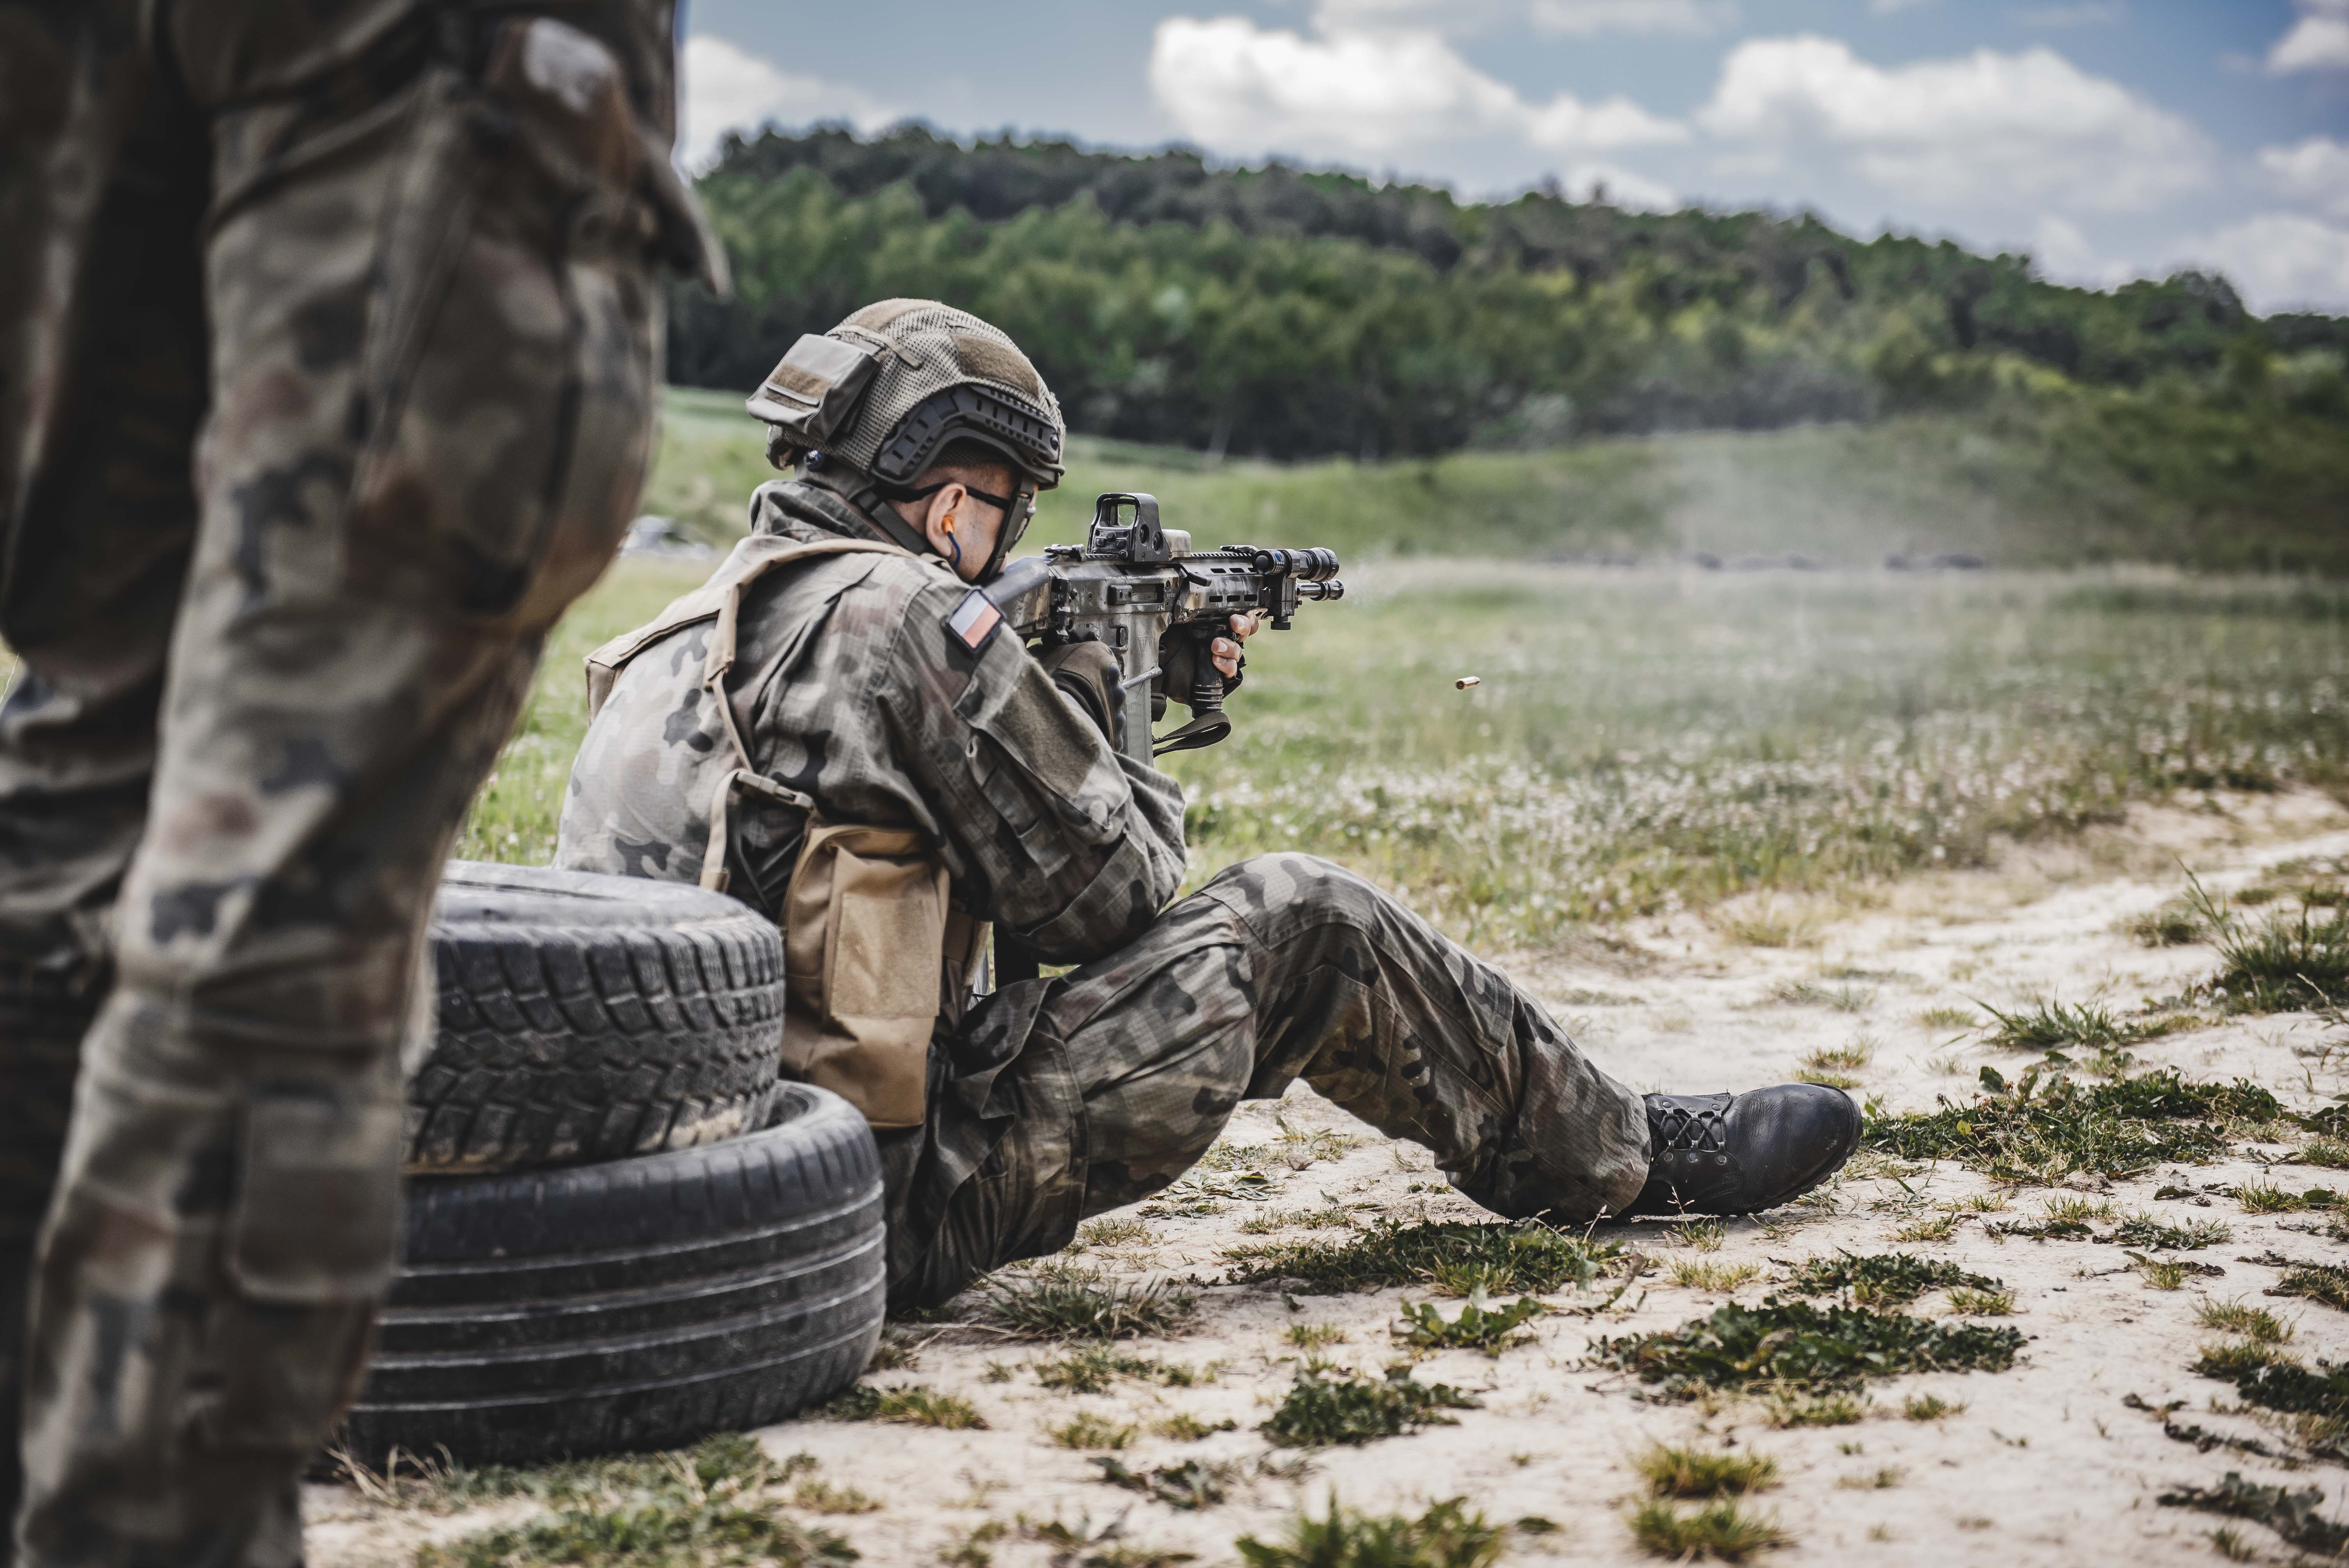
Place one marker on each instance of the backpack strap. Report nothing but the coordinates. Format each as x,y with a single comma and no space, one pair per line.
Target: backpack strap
719,599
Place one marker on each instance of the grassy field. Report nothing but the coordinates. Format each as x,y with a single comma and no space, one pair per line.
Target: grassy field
2053,484
1661,737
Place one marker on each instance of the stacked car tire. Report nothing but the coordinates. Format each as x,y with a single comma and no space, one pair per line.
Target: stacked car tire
622,1230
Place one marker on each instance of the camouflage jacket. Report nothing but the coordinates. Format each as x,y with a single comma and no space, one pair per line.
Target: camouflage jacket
852,687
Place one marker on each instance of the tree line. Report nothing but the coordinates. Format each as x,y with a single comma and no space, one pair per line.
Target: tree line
1289,311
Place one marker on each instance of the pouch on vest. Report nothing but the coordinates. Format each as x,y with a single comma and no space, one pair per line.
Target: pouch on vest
864,937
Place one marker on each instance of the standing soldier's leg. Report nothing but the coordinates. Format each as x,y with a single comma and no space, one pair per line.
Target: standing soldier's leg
427,270
1283,966
101,388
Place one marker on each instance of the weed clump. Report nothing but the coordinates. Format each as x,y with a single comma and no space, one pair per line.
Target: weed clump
1718,1278
1455,1258
1325,1407
1696,1472
1931,1408
2236,1317
2044,1129
2324,1283
1190,1485
2290,1515
1882,1279
1719,1531
1088,1430
2144,1231
908,1405
1796,1345
2282,963
1982,1302
708,1505
1450,1534
1092,1371
2055,1025
1479,1326
1066,1302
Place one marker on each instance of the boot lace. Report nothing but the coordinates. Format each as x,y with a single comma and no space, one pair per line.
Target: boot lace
1677,1130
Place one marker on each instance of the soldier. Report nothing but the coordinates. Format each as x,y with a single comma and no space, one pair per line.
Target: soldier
326,343
839,675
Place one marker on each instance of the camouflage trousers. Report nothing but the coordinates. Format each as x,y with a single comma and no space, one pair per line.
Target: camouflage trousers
327,338
1064,1098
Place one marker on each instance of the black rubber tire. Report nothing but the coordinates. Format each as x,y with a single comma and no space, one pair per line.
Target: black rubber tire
637,1304
586,1017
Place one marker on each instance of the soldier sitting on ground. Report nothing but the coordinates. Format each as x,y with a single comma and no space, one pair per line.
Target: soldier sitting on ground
838,731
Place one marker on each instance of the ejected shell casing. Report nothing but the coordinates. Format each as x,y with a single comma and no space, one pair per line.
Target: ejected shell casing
1464,682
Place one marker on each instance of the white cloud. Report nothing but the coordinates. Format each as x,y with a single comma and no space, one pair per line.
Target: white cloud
2065,255
2318,41
1235,87
2315,170
1695,19
1979,131
2279,261
1618,187
728,88
1578,18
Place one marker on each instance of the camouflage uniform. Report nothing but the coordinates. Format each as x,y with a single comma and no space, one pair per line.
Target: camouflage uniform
326,339
1056,1099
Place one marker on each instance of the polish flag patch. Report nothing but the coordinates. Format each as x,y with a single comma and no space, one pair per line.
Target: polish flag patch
975,619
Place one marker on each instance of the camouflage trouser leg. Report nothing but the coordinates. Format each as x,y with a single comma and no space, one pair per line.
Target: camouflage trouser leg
403,308
1283,966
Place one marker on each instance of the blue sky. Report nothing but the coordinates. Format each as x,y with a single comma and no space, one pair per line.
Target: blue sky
2109,138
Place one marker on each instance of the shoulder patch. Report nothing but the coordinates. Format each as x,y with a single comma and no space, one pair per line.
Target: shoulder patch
974,620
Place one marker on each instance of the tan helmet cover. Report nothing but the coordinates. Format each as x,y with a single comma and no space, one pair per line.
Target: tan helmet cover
887,388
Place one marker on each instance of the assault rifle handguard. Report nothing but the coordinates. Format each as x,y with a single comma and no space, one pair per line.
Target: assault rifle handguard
1142,589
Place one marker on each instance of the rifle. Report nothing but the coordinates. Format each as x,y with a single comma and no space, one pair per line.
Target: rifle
1144,591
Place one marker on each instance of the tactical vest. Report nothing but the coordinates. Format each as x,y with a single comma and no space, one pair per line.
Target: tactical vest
874,951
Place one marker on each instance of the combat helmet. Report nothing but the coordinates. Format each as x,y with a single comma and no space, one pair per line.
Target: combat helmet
872,403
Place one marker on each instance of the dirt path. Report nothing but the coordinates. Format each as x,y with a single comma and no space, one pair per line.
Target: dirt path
2045,1463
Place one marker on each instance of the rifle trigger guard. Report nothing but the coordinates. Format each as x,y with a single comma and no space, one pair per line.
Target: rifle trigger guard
1205,730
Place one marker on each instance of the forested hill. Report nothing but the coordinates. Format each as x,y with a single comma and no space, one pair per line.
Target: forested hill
1289,313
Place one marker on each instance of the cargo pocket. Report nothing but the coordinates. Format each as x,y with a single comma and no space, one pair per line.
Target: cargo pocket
312,1239
508,363
316,1214
864,941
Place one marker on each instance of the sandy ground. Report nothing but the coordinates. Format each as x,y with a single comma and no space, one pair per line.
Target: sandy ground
2045,1463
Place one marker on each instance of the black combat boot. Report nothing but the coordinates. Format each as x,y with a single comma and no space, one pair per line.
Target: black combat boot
1731,1154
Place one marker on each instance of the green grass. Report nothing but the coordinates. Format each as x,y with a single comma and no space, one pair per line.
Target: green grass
1931,1408
2054,1025
1325,1406
1882,1279
1796,1345
1969,1303
2042,1130
2290,1515
1705,1274
1088,1430
2150,1234
1455,1258
2256,1322
1188,1485
1478,1325
2284,963
1716,1532
1093,1369
1702,1473
907,1405
1644,741
1063,1301
2326,1283
1448,1535
710,1505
